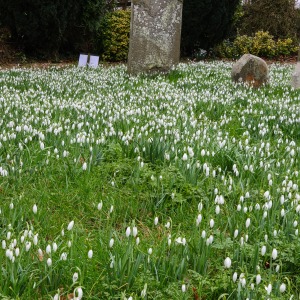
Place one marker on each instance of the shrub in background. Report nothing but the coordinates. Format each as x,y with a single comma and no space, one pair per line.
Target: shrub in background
261,44
44,28
114,36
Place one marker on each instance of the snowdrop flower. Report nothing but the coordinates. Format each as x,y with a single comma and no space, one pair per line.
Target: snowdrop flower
75,277
11,205
63,256
35,239
134,231
227,263
282,288
263,250
3,244
49,262
111,243
48,249
248,222
150,251
236,232
34,209
99,206
234,276
155,221
269,288
211,223
54,247
70,226
90,254
258,279
184,157
183,288
274,254
128,231
137,241
198,220
78,293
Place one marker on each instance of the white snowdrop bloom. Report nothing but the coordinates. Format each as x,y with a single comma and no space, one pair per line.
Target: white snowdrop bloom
49,262
239,207
200,206
198,220
100,205
274,254
22,239
267,195
34,209
137,241
184,157
78,292
211,223
275,233
11,205
128,231
236,232
258,279
84,166
266,237
211,239
71,225
156,221
35,239
282,288
203,234
202,152
134,231
217,209
296,232
8,235
63,256
227,262
69,244
48,249
75,277
169,241
62,232
90,254
265,214
277,268
234,276
268,288
17,252
111,242
263,250
245,209
183,288
54,247
27,246
248,221
282,212
150,251
295,224
243,280
167,225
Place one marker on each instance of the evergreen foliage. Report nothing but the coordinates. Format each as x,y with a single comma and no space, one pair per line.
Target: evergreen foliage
206,23
46,27
278,17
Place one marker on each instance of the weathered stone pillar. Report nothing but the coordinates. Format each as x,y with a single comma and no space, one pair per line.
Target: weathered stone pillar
154,35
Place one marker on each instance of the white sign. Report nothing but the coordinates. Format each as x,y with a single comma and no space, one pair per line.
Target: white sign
94,60
83,59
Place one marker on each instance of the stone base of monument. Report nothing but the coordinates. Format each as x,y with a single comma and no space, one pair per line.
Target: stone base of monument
296,77
251,70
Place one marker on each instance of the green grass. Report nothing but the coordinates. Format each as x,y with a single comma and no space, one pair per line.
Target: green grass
109,151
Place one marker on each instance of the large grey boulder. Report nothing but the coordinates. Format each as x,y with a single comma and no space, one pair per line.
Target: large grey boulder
154,35
250,69
296,77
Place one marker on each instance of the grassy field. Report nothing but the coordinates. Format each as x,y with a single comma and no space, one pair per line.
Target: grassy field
178,186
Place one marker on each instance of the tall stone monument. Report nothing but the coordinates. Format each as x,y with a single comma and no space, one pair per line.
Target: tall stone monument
154,35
